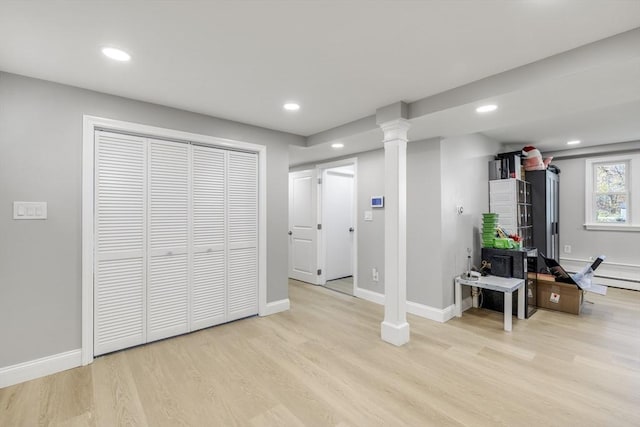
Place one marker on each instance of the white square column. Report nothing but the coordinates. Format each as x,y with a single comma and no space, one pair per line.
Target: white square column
394,328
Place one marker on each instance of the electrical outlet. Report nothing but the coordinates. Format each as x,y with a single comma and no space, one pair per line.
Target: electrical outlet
567,249
375,275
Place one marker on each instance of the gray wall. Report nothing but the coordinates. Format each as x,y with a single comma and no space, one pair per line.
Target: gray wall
41,160
619,247
465,182
424,232
370,233
441,175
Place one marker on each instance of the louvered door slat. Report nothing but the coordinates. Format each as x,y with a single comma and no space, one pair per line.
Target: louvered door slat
119,242
242,235
209,275
167,285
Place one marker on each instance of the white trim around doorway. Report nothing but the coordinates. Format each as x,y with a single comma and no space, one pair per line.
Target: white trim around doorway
321,241
90,125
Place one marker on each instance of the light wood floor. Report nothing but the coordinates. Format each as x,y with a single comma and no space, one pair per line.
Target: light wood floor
323,364
344,285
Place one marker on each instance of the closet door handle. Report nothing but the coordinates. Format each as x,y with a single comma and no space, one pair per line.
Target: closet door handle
290,233
351,230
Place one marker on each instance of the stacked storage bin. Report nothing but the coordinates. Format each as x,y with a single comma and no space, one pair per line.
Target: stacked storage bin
489,225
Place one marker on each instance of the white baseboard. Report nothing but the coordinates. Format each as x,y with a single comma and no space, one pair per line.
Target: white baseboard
368,295
617,283
438,314
276,307
44,366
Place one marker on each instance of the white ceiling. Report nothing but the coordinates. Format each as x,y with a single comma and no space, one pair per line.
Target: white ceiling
341,60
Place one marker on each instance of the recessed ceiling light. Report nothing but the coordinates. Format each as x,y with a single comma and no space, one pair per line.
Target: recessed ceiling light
337,145
574,142
486,108
116,54
291,106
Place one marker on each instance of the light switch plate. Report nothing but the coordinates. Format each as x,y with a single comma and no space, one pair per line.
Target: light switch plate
29,210
368,215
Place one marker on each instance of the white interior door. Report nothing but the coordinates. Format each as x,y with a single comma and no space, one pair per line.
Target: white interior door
120,236
303,226
337,222
168,279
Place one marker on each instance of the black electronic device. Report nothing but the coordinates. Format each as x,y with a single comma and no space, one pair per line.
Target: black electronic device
597,262
502,265
518,263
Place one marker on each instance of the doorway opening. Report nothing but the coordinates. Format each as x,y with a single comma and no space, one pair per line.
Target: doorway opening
337,214
322,225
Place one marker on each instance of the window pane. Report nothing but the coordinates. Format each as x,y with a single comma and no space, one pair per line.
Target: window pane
610,178
611,208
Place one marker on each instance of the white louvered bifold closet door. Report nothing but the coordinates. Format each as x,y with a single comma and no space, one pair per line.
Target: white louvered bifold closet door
169,218
120,252
208,297
242,234
176,239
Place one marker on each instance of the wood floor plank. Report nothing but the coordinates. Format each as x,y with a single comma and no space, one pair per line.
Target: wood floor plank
116,399
20,404
277,416
67,396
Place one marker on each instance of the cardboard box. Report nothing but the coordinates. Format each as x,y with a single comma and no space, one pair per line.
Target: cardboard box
560,296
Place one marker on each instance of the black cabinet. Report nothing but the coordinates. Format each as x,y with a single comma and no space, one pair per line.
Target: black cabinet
545,200
511,263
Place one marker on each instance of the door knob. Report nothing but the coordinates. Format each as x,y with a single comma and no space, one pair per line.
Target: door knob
350,229
290,233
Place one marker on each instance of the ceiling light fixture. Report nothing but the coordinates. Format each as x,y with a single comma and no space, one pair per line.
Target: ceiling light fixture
291,106
574,142
116,54
337,145
486,108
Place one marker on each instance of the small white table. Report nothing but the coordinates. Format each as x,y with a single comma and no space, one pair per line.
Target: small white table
506,285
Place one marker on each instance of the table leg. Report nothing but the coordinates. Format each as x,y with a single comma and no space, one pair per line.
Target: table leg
521,302
458,297
508,301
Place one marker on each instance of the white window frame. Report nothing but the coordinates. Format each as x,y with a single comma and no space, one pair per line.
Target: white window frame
633,203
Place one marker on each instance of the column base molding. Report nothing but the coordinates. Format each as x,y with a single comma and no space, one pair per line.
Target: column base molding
396,334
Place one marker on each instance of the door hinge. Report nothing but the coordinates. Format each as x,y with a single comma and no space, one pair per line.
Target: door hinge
319,271
319,226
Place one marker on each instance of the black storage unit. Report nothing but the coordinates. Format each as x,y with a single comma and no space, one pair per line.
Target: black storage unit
545,201
511,263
